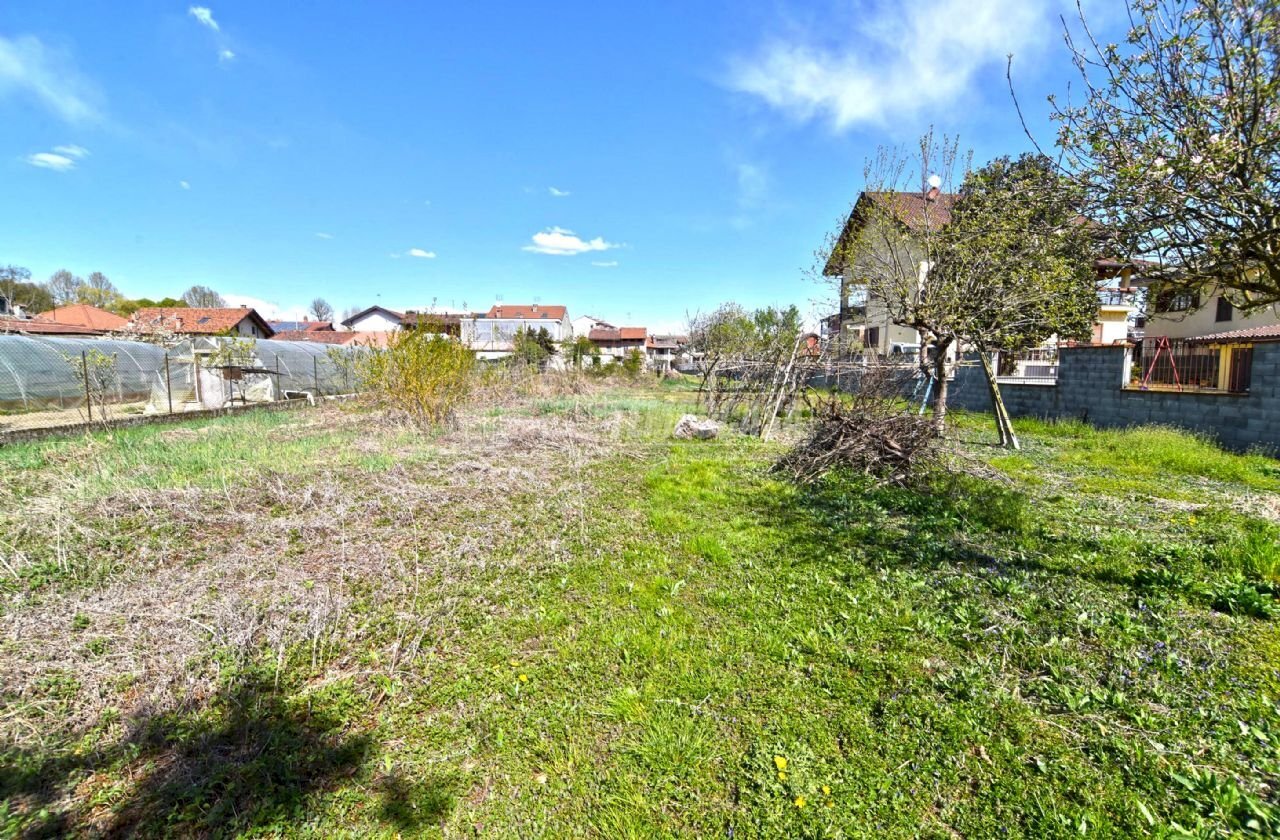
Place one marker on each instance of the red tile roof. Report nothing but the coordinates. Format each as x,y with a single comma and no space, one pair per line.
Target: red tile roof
1270,332
526,312
195,321
84,315
916,210
36,326
316,336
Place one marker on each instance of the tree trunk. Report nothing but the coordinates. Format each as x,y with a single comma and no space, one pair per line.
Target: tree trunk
940,384
1004,425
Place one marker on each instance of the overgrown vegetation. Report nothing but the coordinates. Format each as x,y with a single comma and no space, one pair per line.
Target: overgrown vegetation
555,620
422,375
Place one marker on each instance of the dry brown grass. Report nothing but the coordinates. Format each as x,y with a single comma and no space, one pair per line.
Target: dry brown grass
214,576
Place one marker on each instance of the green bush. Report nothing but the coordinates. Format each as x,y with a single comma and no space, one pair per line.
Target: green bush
425,375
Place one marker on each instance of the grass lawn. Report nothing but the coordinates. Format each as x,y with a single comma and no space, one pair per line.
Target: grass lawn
557,621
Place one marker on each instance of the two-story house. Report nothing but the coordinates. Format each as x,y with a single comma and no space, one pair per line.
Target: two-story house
864,323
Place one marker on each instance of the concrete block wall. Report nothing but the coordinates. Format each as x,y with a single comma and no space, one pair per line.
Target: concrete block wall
1090,388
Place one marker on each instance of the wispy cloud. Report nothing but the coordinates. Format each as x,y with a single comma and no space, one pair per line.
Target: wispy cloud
560,242
324,236
72,151
47,75
558,193
50,160
185,185
605,263
204,15
420,253
903,60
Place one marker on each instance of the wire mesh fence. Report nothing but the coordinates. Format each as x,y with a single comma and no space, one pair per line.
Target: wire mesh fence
48,382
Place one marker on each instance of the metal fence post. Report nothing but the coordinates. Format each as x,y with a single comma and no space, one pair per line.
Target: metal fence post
168,382
88,401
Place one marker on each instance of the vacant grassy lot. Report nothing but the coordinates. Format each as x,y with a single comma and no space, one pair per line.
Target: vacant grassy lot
556,621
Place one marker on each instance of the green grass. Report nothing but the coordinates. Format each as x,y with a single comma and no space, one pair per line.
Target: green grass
676,643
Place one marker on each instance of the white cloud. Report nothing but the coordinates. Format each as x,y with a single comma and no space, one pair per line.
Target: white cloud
49,160
72,151
899,60
557,193
559,242
324,236
418,252
185,185
47,75
204,15
605,264
226,55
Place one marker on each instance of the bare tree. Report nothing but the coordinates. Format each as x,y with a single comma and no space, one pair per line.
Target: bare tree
321,310
892,240
98,290
18,290
64,287
203,297
1175,137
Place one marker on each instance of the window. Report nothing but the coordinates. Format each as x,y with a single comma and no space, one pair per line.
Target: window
872,337
1176,302
1224,309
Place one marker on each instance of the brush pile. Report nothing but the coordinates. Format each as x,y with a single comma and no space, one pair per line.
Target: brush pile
872,431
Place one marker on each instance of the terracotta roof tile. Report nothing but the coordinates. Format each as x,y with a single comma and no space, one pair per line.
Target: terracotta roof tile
35,326
315,336
1270,332
194,320
84,315
526,312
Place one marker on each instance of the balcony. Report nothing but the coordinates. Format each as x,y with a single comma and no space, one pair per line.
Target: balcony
1118,298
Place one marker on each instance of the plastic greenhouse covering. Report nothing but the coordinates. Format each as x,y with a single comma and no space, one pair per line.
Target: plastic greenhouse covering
43,373
48,373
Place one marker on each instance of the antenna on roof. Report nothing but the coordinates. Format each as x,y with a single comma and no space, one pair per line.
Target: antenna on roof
537,299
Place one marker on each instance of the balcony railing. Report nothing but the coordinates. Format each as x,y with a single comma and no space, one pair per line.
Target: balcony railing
1117,297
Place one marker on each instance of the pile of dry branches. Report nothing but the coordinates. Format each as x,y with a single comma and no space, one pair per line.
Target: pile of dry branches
872,431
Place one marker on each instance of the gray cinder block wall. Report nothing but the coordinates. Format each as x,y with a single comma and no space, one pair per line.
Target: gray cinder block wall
1090,388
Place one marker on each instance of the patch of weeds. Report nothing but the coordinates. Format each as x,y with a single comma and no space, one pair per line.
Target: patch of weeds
1238,596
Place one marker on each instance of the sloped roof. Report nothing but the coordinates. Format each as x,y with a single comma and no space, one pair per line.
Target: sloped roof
398,316
535,311
916,210
293,326
316,336
35,326
84,315
194,320
1269,332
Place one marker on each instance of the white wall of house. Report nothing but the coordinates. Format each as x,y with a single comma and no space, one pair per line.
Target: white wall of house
247,327
1207,320
375,322
584,324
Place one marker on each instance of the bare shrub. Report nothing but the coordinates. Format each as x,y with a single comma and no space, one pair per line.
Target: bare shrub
870,430
424,375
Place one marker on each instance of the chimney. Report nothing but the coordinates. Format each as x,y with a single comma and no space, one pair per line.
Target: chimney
533,308
244,306
932,194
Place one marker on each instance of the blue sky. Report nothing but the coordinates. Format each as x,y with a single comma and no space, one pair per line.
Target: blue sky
633,161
